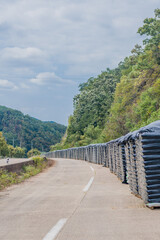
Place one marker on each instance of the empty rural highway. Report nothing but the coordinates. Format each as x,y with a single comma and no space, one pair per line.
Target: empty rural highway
75,200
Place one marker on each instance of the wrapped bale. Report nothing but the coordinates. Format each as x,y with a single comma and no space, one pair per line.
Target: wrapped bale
131,160
134,167
86,154
119,168
110,151
118,161
114,158
106,156
128,166
98,154
148,163
101,153
94,154
148,150
122,161
92,158
117,164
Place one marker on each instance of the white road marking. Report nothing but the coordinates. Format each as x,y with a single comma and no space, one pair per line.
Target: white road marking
88,185
55,230
92,168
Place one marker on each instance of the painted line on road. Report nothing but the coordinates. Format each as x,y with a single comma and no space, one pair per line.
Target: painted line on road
92,168
88,185
51,235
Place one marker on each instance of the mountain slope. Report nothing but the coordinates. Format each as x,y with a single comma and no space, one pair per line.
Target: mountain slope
25,131
122,99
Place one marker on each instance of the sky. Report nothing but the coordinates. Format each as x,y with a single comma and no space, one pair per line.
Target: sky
49,47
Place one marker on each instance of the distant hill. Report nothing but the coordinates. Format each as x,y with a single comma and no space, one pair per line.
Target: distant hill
25,131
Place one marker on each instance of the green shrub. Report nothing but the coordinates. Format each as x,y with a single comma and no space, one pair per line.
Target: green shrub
33,152
9,178
38,160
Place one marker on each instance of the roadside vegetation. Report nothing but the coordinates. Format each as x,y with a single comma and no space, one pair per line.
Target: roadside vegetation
119,100
9,150
33,152
15,152
8,178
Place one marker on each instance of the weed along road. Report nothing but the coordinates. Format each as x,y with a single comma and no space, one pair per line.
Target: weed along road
75,200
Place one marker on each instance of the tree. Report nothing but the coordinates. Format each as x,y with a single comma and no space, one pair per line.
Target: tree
3,146
19,152
116,101
57,146
11,150
91,106
23,130
151,28
33,152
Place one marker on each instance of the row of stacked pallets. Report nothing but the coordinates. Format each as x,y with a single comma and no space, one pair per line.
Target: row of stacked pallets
134,158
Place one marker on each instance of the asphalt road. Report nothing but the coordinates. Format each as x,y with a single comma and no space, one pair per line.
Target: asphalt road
75,200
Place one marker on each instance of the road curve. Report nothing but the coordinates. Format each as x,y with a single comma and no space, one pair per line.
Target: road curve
75,200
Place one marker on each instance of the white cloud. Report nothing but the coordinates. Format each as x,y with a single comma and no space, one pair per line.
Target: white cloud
24,86
7,85
49,78
51,34
45,43
21,53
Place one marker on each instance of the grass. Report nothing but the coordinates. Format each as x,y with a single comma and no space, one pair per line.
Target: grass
9,178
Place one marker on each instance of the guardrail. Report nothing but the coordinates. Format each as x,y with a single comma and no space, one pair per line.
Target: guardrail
134,158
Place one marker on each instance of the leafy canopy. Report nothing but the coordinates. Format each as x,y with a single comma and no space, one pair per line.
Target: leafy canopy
122,99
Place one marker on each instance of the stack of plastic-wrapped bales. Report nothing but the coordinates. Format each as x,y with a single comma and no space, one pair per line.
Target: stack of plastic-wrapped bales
98,153
110,155
122,160
118,164
105,161
103,154
131,164
134,158
114,157
148,163
94,154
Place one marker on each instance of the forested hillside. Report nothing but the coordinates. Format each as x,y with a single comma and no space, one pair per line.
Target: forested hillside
28,132
137,96
122,99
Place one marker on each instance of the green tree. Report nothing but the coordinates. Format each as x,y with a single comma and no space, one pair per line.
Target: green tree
122,99
19,152
91,106
25,131
57,146
33,152
11,150
3,146
151,28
